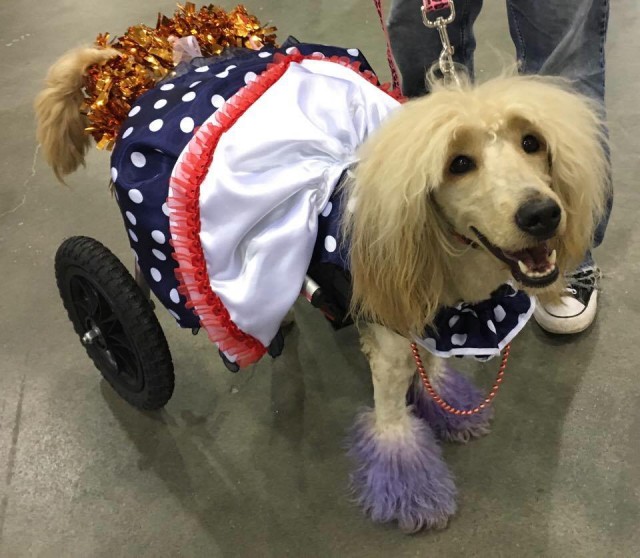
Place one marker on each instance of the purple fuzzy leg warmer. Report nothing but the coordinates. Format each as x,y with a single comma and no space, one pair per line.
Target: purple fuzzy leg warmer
403,478
458,391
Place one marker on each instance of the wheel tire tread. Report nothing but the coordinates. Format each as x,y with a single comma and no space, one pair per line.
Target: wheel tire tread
133,308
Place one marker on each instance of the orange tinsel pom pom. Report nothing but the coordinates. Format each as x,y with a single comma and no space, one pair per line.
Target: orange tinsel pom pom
147,57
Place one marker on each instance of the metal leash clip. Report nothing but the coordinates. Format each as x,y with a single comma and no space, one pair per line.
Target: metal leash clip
447,66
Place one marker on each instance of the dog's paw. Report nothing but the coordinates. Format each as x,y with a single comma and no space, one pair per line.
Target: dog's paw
401,478
459,392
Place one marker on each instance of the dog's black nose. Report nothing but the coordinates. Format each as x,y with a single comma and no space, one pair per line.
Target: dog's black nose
539,218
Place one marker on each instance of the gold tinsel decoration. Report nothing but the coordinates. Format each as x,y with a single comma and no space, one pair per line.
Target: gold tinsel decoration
147,57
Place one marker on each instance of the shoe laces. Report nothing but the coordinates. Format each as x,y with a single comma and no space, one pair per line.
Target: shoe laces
586,278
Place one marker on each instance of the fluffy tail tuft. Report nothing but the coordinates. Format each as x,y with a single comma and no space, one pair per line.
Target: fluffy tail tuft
60,124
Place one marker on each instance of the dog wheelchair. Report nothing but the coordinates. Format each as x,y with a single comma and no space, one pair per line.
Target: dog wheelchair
114,317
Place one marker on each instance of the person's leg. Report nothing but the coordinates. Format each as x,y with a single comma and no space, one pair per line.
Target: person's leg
416,48
567,39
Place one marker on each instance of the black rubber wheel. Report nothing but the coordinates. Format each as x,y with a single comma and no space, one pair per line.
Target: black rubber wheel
115,322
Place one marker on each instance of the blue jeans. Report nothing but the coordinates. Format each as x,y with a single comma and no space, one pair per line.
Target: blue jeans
563,37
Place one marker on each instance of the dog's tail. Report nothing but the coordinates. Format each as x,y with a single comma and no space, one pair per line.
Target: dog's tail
61,126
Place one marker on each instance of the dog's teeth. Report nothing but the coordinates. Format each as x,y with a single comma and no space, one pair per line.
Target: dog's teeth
537,274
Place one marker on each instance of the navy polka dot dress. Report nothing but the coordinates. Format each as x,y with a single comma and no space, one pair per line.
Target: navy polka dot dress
162,123
159,126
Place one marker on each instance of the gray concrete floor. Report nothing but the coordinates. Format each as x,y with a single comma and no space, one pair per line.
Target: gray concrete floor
252,464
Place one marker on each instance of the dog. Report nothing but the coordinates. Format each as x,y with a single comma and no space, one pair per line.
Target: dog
452,195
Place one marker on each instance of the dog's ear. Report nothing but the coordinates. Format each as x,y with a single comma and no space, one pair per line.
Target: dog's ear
580,176
397,237
578,155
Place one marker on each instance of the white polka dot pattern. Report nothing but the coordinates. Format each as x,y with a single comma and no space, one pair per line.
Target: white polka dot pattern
158,254
225,74
459,339
158,236
138,159
330,244
161,124
156,125
217,101
135,195
187,124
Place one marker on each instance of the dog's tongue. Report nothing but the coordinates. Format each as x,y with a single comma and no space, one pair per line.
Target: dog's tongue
534,258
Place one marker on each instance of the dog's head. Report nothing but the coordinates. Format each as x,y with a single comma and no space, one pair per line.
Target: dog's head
515,165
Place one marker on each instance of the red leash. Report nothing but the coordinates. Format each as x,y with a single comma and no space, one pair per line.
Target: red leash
446,406
428,7
435,5
395,76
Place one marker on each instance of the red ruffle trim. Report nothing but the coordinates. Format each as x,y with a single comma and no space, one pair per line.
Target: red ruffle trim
184,202
344,61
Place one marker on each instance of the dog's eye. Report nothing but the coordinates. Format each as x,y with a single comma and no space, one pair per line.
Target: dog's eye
530,144
462,164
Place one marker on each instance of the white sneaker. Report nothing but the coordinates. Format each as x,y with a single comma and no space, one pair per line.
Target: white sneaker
576,309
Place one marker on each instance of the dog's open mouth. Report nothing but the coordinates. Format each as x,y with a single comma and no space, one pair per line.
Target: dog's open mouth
533,267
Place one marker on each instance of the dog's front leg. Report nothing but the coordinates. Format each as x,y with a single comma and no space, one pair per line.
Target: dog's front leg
457,390
400,474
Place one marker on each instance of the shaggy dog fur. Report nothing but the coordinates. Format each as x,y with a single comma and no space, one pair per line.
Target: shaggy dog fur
459,163
60,124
